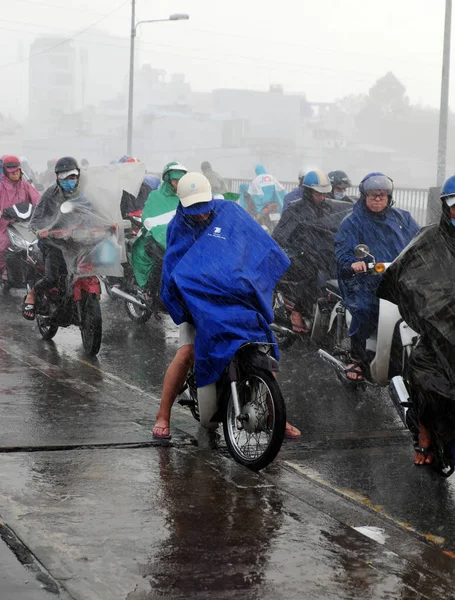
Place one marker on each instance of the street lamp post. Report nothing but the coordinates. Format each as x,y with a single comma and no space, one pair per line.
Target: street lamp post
134,26
444,109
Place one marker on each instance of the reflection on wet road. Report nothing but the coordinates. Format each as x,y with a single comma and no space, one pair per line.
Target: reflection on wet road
109,514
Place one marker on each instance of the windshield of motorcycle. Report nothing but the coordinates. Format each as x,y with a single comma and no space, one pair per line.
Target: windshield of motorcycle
90,231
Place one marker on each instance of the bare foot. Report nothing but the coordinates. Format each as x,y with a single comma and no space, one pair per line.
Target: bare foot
421,458
297,322
291,431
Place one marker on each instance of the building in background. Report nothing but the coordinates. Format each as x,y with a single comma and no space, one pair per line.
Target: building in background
69,81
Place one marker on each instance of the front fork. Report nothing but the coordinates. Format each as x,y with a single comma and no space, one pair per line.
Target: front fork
234,377
341,315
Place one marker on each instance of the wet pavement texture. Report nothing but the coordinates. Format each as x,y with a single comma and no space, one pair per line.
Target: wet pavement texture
101,511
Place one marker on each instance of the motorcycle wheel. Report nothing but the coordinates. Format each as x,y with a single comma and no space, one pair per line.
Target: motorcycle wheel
46,326
92,325
136,313
259,439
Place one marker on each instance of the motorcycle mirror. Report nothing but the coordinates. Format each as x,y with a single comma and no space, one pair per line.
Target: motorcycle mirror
67,207
361,251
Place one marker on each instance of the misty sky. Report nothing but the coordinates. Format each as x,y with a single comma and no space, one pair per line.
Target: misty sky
325,48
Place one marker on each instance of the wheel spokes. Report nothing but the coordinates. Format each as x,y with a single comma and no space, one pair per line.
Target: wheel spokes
252,444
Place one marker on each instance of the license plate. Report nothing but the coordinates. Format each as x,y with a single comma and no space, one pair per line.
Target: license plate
274,216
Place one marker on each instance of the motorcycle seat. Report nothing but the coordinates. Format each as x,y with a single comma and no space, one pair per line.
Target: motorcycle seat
332,286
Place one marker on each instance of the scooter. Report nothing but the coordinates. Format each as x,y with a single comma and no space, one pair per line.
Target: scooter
390,349
140,304
332,322
249,403
19,273
75,300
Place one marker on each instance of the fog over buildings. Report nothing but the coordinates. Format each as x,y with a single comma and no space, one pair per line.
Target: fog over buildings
351,85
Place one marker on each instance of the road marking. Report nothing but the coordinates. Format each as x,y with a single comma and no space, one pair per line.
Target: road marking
362,499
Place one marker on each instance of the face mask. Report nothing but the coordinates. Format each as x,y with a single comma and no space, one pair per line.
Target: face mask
68,184
339,195
453,222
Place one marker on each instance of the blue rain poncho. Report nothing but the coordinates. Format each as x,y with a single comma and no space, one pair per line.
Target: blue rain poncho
263,190
219,275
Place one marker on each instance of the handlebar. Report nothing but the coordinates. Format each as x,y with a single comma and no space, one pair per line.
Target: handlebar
373,269
80,234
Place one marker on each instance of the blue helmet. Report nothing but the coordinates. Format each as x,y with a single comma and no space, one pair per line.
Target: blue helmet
448,191
317,181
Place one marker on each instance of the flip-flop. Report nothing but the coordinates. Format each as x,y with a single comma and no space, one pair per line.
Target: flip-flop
28,308
291,432
356,369
426,451
158,433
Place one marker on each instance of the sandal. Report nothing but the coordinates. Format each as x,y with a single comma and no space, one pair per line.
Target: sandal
161,433
426,452
28,311
356,370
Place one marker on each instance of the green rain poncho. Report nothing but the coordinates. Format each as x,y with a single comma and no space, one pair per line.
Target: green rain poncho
158,211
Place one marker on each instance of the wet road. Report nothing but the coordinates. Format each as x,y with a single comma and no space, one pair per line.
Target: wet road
96,510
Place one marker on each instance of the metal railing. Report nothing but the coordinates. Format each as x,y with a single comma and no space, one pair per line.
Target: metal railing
415,200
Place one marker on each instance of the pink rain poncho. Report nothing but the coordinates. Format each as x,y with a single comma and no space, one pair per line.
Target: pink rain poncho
11,193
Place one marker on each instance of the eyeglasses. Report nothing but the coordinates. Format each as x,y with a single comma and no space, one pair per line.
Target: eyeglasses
382,196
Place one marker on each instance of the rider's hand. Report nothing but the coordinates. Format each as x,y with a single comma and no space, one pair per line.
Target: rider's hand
359,267
44,233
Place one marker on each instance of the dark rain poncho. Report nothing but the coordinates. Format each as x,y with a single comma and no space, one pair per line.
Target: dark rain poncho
306,232
220,276
421,283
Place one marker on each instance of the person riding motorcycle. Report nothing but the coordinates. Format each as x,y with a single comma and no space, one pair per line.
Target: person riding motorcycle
306,233
386,231
296,193
216,287
130,203
13,190
340,183
421,283
159,209
47,214
264,190
219,186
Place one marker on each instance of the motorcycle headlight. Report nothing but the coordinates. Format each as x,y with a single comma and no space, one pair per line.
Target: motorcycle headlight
17,240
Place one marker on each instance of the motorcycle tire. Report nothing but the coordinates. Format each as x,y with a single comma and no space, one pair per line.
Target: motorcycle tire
136,313
92,324
263,406
46,326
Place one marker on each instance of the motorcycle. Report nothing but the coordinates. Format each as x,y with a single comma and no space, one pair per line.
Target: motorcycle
249,403
390,349
284,300
140,304
19,272
269,217
332,322
75,300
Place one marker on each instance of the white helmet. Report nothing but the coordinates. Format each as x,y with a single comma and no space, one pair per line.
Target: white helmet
195,193
302,172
